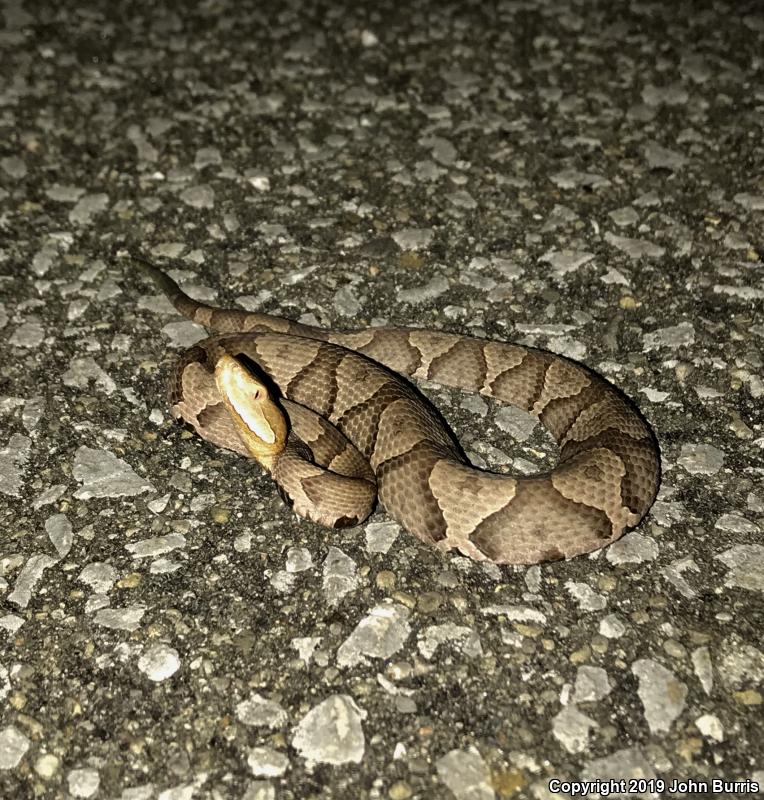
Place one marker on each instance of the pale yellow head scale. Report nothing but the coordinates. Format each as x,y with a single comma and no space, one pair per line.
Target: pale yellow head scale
259,421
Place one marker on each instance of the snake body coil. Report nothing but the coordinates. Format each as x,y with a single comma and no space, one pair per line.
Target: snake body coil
358,428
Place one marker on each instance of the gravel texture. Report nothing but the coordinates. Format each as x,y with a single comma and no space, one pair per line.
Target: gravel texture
586,177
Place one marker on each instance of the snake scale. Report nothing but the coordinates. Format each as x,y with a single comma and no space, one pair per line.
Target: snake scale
328,414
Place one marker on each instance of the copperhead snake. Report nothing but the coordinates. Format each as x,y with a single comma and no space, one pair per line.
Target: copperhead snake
328,414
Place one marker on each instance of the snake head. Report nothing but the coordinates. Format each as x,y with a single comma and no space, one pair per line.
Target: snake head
258,419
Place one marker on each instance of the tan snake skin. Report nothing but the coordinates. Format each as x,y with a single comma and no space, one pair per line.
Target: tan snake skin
383,431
